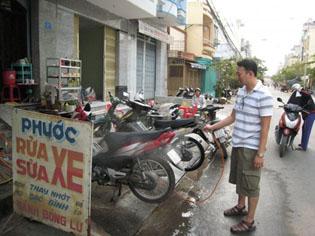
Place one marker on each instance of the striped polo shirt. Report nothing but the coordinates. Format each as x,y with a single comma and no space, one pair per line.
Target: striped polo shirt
249,108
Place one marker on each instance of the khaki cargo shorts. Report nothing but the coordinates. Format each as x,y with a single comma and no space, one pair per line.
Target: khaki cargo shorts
243,173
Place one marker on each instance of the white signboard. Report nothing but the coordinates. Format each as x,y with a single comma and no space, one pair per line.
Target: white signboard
51,170
154,32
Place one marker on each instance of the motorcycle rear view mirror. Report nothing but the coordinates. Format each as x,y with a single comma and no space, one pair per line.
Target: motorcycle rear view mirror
279,100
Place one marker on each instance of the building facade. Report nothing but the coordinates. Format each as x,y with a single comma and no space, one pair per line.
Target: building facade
191,53
308,41
308,49
122,44
293,57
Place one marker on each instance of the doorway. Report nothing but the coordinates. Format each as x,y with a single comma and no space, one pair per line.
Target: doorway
91,52
13,32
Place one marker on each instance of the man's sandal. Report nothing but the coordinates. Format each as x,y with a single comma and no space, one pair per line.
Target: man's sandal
243,227
236,211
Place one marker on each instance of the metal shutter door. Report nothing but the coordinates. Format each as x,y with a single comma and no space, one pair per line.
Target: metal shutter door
140,57
149,82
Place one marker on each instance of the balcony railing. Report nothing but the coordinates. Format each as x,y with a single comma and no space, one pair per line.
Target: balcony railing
207,43
178,45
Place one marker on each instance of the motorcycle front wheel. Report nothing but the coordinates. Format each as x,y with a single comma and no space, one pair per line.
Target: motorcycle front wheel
153,179
283,145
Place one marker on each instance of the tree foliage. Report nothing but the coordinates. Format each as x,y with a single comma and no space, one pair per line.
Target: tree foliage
311,70
261,68
289,73
227,73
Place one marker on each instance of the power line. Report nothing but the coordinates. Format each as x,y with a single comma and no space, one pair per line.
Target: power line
215,10
226,35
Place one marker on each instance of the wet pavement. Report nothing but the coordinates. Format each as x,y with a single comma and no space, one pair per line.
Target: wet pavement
286,205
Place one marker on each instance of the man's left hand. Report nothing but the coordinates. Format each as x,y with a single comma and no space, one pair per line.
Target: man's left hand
258,162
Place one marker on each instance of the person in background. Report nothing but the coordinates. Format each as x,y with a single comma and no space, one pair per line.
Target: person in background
198,99
251,116
305,100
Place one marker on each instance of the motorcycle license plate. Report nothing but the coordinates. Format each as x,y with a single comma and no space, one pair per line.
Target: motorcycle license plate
219,133
174,156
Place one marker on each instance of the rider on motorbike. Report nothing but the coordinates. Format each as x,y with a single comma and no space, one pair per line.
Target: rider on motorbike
305,100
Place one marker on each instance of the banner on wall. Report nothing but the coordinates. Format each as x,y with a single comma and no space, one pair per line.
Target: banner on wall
52,158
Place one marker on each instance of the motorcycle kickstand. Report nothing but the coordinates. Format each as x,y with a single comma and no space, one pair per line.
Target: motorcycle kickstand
115,198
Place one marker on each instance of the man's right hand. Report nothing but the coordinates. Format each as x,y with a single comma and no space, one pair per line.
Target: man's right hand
207,128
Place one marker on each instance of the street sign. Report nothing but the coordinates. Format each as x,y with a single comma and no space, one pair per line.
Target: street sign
52,159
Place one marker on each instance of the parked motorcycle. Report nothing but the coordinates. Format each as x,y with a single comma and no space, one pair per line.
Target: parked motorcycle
179,92
188,93
135,160
170,110
195,142
185,92
188,148
222,135
186,151
288,127
227,93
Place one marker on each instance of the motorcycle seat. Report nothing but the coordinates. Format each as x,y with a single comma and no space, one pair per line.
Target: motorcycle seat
115,140
174,124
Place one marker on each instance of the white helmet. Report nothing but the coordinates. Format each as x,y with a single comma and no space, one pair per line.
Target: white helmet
295,87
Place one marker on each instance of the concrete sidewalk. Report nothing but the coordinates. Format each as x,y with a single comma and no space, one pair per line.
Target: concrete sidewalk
125,217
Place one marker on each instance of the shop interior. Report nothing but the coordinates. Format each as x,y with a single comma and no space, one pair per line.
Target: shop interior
15,67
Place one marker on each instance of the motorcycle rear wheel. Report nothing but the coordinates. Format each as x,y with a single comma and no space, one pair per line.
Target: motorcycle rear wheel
187,147
283,145
161,170
217,151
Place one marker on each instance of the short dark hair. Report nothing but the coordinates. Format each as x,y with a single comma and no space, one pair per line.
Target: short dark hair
249,65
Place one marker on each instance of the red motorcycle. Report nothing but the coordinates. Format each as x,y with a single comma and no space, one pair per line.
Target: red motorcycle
288,127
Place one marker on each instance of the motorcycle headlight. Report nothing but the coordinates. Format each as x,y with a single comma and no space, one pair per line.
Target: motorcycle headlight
290,124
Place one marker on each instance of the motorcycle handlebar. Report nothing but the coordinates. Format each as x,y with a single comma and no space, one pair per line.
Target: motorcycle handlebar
212,108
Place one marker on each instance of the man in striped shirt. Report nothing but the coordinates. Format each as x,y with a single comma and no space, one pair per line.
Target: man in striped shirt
252,115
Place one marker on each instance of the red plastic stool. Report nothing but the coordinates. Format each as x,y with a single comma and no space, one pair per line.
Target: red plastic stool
10,93
189,112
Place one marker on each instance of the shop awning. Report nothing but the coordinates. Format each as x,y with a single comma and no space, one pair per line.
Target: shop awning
198,66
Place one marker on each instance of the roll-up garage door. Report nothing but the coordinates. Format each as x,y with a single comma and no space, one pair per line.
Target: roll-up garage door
146,66
140,68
